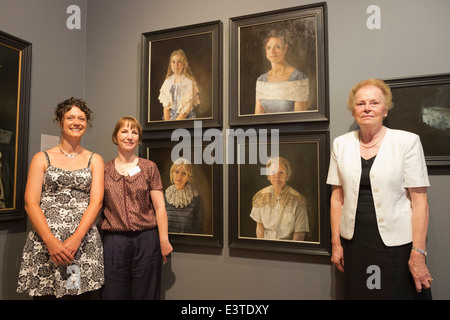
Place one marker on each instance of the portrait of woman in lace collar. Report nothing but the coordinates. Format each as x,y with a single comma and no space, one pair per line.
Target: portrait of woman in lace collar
280,212
184,205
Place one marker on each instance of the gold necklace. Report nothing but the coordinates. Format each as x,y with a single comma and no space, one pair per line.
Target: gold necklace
372,145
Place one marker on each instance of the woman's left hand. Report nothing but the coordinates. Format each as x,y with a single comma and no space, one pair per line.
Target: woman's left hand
72,244
419,271
166,249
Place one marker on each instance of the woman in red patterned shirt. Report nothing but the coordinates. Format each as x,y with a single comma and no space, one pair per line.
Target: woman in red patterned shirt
134,220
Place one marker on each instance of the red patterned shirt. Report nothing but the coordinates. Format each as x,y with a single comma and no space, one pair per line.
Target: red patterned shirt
127,205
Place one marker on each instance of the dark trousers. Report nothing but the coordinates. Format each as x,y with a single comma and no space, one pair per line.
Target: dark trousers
132,265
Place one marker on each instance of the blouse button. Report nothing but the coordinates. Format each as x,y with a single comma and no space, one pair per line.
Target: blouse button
378,205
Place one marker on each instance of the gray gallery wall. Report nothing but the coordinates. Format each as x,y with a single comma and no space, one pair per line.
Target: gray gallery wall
58,62
101,62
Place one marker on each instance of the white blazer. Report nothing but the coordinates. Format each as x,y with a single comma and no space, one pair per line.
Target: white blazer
399,164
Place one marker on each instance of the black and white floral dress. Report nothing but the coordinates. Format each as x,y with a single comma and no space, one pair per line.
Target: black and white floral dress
64,199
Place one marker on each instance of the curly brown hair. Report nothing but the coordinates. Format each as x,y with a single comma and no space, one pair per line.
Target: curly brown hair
66,105
282,34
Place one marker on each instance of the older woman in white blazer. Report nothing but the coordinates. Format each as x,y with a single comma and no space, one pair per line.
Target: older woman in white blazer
379,210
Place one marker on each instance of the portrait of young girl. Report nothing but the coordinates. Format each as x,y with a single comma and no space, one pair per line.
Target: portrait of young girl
179,94
181,83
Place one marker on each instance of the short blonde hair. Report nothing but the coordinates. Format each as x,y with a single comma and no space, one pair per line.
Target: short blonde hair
380,84
134,124
181,163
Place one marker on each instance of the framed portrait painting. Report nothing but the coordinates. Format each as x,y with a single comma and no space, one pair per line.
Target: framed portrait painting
422,106
278,69
192,194
285,208
15,79
182,77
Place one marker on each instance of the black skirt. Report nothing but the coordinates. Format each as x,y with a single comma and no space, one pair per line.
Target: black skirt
373,270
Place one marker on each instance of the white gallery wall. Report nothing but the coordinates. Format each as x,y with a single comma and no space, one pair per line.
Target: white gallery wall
101,62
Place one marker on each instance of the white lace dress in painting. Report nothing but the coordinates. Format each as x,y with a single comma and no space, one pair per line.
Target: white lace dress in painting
183,97
281,96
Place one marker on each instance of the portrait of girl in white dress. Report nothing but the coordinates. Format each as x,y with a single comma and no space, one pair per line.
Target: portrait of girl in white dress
179,94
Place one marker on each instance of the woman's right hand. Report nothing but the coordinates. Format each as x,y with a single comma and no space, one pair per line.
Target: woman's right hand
337,252
337,257
58,252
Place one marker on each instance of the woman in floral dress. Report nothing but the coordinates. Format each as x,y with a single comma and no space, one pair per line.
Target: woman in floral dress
63,254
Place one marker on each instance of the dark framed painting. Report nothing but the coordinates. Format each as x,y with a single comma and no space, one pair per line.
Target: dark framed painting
192,192
280,203
15,80
279,66
422,106
181,77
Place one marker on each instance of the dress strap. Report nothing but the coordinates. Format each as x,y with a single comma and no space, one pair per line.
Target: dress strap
90,158
47,158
